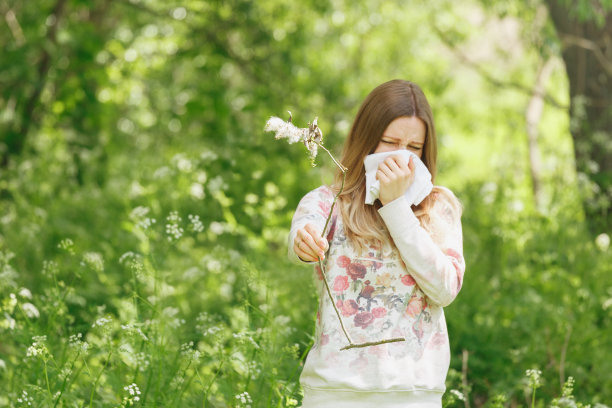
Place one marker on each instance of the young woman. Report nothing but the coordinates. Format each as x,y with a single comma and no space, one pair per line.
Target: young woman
391,266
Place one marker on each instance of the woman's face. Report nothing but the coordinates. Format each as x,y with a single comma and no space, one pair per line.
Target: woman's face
403,133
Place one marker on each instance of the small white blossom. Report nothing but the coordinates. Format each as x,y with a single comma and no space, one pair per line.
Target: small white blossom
603,241
134,331
102,322
94,260
534,377
25,399
310,136
75,342
173,230
133,394
285,130
50,268
457,394
244,400
196,224
25,293
38,348
67,245
30,310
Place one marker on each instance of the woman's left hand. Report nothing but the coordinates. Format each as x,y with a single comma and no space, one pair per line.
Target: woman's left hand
395,176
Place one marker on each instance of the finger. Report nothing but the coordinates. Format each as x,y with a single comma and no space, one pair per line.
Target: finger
403,164
302,248
393,162
382,177
316,235
303,255
411,164
312,242
398,161
384,169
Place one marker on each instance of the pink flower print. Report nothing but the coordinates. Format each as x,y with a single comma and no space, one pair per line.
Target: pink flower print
347,307
379,350
343,261
324,206
458,263
341,283
363,319
356,271
324,339
379,312
415,306
384,279
408,280
332,229
360,364
436,341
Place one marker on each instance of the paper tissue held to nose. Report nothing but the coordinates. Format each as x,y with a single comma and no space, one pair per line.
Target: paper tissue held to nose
418,190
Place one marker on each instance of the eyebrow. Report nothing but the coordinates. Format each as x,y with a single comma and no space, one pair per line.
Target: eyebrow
410,142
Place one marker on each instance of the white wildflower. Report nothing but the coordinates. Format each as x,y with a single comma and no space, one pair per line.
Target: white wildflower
285,130
38,347
457,394
534,377
139,212
310,136
30,310
603,241
133,394
64,373
50,268
245,338
67,245
173,229
196,224
94,260
104,323
25,293
244,400
134,331
134,262
25,399
146,223
188,351
75,342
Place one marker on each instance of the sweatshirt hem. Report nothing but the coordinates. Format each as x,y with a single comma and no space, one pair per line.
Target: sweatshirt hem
345,398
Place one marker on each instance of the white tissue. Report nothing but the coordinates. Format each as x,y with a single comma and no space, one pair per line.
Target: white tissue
418,190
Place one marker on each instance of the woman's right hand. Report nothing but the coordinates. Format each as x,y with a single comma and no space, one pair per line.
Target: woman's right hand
309,245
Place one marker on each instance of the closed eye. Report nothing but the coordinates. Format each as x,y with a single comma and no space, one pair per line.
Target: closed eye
412,147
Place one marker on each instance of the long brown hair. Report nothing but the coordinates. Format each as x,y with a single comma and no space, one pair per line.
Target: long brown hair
387,102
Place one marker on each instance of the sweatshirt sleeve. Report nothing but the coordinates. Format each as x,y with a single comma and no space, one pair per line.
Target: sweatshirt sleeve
436,265
313,208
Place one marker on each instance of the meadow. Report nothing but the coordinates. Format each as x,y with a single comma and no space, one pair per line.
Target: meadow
144,223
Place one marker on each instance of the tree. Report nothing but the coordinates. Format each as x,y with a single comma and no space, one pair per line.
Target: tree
584,29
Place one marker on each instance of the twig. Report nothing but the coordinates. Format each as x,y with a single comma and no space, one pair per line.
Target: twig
312,138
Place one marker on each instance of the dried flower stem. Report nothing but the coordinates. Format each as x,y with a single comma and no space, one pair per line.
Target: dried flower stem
312,137
324,272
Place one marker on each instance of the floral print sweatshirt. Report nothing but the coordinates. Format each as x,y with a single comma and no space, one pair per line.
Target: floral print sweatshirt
389,293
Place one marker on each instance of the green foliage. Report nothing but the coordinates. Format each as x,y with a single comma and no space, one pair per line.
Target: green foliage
143,226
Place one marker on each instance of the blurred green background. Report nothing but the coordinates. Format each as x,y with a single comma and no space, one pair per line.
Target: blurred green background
144,212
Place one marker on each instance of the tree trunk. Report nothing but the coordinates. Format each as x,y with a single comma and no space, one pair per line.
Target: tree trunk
533,114
587,53
14,140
